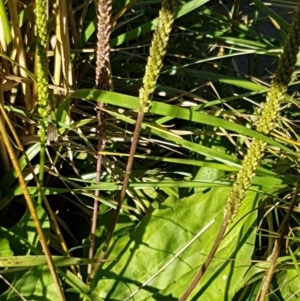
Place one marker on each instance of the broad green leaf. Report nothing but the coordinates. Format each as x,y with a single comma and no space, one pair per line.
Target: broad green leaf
223,277
5,250
288,282
209,173
26,228
13,236
162,233
36,284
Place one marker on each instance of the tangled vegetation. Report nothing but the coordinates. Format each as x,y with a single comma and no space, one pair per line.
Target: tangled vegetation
149,150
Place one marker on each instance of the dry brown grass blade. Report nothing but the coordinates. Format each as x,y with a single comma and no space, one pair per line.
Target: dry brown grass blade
32,210
45,200
3,152
19,51
63,45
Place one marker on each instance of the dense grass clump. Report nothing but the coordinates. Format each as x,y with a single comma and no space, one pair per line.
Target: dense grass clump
132,133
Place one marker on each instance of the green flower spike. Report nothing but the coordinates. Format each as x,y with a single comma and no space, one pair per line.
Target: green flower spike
268,117
157,50
42,79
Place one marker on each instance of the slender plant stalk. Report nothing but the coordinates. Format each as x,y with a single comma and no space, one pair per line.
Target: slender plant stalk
266,124
154,64
102,82
277,247
32,210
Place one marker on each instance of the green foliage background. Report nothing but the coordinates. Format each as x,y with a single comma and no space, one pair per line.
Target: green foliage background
216,73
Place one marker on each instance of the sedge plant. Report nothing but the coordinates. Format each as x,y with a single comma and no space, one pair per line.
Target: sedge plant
266,125
154,64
